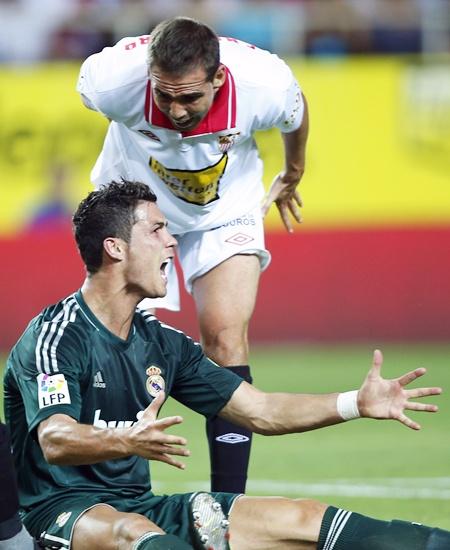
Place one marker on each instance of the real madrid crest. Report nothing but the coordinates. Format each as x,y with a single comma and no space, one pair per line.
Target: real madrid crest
155,382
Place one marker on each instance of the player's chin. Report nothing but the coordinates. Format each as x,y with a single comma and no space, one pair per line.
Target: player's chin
162,290
157,290
187,125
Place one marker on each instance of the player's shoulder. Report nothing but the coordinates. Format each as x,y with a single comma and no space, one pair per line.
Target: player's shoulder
171,339
63,312
62,322
58,327
116,66
254,67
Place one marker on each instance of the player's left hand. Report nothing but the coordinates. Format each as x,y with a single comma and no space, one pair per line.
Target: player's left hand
283,192
389,399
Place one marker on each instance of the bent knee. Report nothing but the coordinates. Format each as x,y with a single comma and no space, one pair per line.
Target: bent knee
130,527
226,346
307,517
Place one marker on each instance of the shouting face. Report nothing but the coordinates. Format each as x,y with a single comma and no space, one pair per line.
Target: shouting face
148,253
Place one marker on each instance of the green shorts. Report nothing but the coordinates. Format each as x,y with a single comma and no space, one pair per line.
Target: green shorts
55,524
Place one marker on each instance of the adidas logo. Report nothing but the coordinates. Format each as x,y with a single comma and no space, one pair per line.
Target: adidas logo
98,381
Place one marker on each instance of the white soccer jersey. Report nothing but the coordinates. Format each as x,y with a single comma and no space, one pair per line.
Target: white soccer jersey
205,177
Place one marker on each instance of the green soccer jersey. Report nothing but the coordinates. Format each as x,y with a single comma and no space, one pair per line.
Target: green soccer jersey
67,362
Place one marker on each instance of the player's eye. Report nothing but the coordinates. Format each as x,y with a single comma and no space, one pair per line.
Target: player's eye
190,100
158,228
162,96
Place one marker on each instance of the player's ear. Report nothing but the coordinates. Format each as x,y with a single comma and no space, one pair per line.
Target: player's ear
114,248
219,77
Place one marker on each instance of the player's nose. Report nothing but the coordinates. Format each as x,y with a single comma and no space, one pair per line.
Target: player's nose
171,241
177,111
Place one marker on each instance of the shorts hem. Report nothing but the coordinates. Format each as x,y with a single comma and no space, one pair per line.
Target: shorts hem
263,255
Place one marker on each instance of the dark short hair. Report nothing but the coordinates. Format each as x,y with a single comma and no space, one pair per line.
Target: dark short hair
107,212
180,44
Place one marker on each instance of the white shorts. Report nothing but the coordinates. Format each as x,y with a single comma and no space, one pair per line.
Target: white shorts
200,251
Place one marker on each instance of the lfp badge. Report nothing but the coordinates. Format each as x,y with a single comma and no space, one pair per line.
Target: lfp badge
155,382
52,390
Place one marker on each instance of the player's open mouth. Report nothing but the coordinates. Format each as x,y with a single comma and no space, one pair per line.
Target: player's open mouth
163,270
182,125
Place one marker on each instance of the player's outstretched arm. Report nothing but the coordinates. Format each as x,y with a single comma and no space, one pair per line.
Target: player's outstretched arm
64,441
281,413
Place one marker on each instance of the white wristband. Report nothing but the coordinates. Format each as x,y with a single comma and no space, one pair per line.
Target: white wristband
347,405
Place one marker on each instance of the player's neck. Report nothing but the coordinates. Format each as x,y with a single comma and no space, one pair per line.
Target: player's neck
111,304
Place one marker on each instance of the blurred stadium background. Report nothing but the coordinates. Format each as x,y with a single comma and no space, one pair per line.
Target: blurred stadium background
369,267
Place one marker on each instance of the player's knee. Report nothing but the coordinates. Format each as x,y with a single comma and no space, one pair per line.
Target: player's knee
129,528
307,518
227,345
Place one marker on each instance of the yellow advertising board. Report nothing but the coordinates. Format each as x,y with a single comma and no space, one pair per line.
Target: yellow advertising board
49,141
379,151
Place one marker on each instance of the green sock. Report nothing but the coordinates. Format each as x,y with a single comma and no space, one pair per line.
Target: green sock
343,530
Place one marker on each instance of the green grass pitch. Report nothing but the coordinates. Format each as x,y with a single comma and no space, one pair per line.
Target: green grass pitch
377,468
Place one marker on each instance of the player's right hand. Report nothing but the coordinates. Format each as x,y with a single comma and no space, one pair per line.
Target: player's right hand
286,198
147,437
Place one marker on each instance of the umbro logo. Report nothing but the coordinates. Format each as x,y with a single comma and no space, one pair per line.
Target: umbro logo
232,438
239,239
98,381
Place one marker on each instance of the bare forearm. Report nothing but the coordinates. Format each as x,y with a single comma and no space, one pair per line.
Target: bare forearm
295,148
294,413
281,413
66,442
70,443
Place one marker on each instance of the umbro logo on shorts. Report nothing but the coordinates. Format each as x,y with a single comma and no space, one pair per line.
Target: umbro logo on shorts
98,381
239,239
232,438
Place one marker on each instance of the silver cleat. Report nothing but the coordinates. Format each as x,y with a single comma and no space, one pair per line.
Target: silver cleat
209,525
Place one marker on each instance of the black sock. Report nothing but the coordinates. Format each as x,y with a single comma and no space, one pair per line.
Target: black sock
342,530
229,449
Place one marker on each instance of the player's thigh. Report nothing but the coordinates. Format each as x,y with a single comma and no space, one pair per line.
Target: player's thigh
221,268
263,523
104,528
226,294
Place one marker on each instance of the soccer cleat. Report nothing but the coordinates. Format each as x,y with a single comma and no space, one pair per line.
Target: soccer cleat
209,526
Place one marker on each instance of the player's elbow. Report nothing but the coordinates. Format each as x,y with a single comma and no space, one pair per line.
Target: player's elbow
53,440
54,456
52,447
269,427
262,419
53,451
269,421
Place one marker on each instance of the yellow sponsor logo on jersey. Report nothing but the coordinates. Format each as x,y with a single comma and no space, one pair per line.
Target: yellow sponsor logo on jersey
195,186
